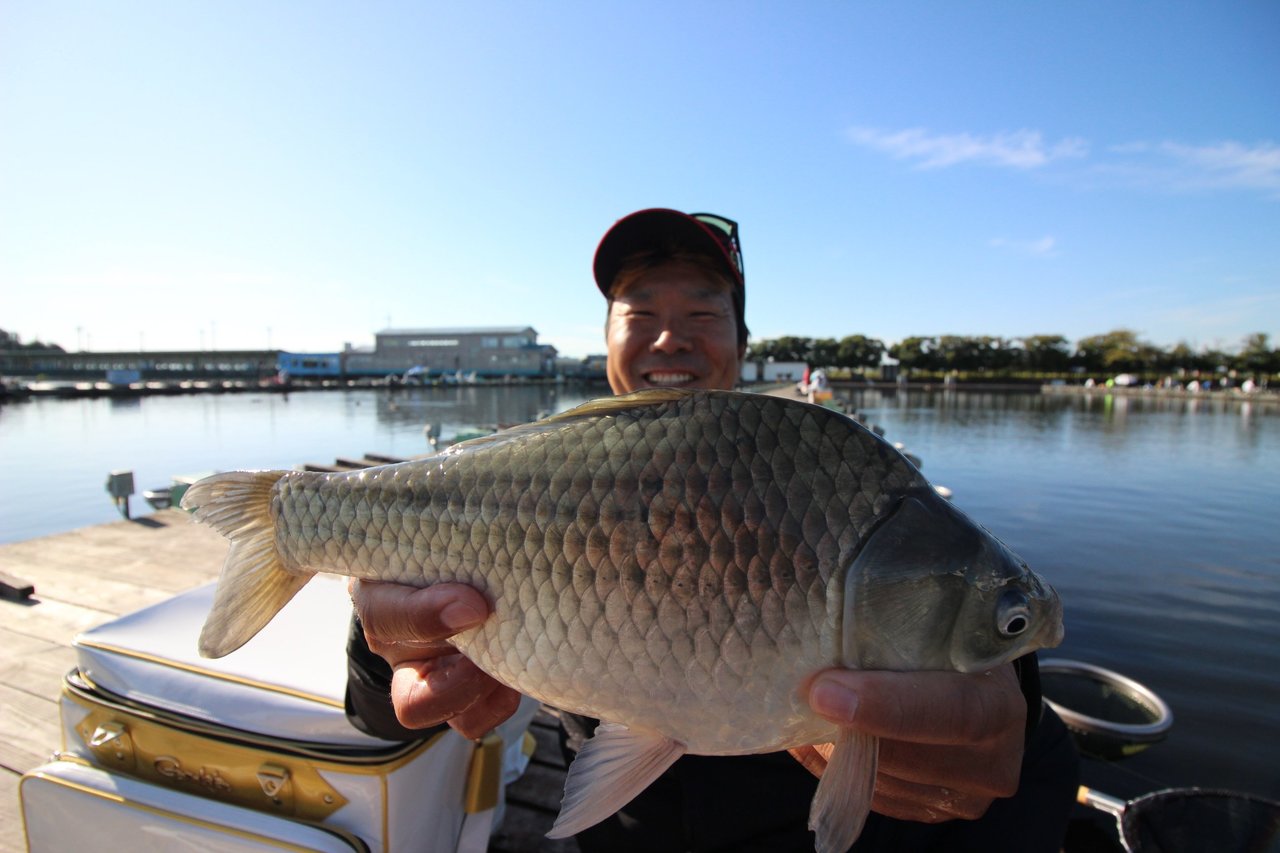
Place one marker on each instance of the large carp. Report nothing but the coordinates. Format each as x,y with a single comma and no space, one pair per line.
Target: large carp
676,563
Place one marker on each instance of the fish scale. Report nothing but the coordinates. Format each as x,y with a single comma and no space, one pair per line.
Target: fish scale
677,562
660,452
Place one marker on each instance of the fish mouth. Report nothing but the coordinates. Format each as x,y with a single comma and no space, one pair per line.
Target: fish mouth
1056,629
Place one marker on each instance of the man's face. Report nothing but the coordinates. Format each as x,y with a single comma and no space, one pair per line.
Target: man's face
673,326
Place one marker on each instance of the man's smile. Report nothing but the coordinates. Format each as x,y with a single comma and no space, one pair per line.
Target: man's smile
668,377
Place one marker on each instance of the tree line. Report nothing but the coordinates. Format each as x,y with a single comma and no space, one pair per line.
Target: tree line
10,341
1118,351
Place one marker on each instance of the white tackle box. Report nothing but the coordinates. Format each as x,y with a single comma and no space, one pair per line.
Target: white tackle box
153,728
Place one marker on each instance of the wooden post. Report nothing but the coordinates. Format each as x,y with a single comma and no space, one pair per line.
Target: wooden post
14,589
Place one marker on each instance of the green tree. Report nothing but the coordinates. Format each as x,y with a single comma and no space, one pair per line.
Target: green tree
1257,357
1048,353
792,348
1003,353
1182,357
786,348
859,351
916,353
13,341
757,351
976,353
1117,351
956,352
824,352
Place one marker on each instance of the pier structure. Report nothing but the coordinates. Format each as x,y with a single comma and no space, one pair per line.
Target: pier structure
140,366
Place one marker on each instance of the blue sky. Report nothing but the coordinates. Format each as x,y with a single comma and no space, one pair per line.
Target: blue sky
300,175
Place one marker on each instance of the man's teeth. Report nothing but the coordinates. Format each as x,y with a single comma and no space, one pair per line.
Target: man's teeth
669,378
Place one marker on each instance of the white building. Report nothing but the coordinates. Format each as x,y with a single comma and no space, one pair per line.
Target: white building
486,351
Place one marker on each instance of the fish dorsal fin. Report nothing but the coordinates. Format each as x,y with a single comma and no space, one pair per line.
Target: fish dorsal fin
615,765
612,405
602,407
843,798
643,397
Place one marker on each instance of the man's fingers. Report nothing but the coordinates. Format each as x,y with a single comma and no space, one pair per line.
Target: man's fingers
487,712
923,707
391,613
923,783
427,692
813,757
940,766
925,803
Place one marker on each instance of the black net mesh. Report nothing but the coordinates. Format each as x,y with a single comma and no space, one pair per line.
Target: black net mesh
1190,820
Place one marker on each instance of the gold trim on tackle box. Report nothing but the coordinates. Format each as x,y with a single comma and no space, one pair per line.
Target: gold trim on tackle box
256,771
483,788
243,775
355,843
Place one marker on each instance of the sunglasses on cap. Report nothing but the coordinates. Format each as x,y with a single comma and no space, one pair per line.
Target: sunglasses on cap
726,233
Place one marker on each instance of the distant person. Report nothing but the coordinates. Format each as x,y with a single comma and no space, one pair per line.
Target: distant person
967,762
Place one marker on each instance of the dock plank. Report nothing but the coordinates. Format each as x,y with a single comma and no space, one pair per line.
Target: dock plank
32,664
53,620
29,729
119,566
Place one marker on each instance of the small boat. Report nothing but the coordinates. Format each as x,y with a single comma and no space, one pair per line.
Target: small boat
432,434
159,498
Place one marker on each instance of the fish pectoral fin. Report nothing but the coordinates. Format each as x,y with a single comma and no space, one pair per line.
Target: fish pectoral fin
615,765
843,798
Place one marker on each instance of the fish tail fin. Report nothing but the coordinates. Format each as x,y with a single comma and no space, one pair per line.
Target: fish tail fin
254,584
844,792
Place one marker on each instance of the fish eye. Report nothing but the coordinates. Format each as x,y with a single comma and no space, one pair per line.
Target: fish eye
1014,626
1014,614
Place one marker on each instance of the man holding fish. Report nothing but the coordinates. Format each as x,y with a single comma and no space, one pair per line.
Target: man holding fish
967,761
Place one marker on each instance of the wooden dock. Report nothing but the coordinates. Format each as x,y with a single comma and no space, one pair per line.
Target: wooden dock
89,576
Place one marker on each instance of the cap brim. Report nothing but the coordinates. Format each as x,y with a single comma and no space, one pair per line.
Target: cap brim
651,229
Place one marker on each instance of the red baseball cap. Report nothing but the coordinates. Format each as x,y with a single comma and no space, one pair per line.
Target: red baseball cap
660,228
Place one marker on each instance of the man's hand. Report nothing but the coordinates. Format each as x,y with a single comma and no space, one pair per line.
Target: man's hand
950,743
431,681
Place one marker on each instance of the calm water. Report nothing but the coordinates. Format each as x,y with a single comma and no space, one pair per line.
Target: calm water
57,453
1155,520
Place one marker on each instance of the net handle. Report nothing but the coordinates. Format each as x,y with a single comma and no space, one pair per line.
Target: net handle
1100,801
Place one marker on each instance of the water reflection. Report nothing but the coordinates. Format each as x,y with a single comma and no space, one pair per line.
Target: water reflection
951,399
1065,421
467,408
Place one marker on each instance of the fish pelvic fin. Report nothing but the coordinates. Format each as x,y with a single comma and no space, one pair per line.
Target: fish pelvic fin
843,798
615,765
254,585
